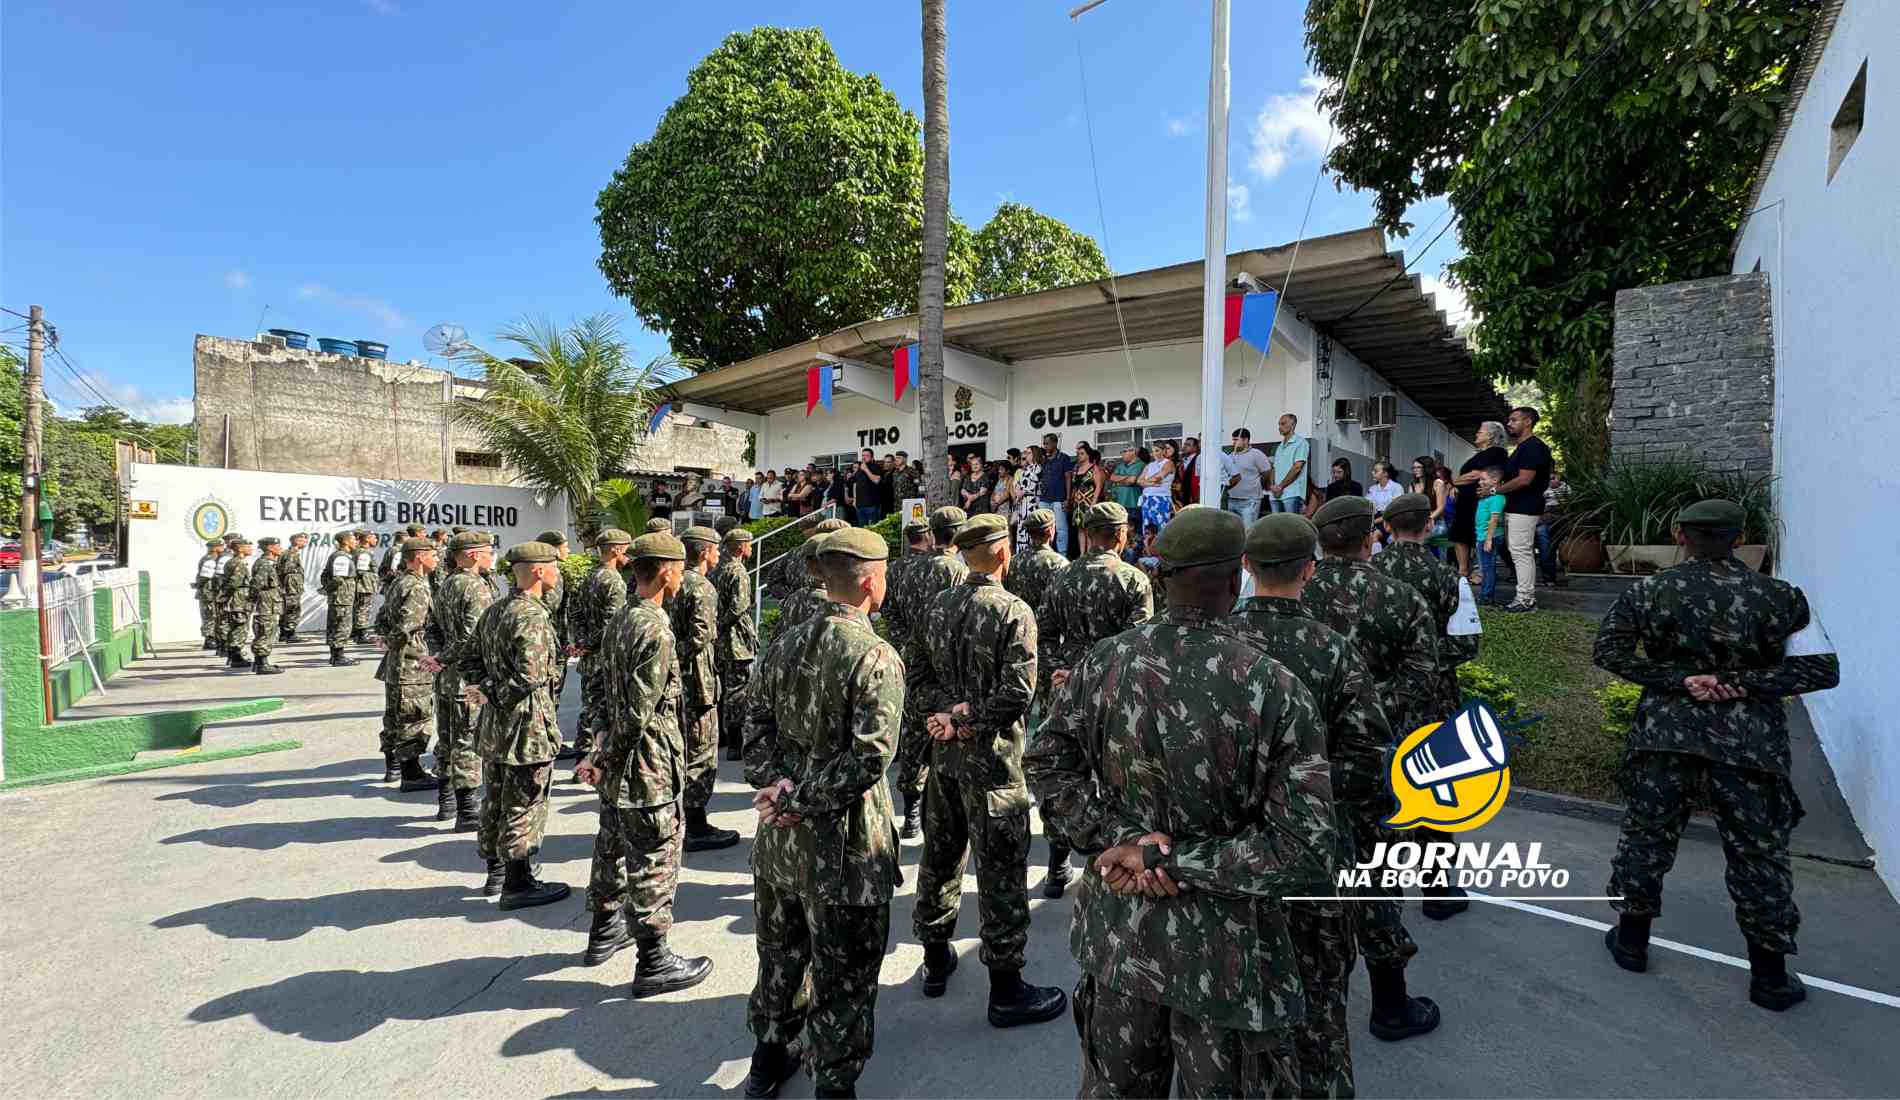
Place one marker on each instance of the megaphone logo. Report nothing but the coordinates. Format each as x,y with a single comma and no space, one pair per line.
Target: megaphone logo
1452,775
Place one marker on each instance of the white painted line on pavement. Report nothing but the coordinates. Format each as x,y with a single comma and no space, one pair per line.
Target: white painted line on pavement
1690,949
1485,897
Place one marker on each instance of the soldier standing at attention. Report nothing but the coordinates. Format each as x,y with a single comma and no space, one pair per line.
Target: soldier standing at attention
391,564
205,584
1031,575
808,599
236,593
290,580
974,682
1280,549
338,585
638,763
695,627
463,594
443,561
1098,597
509,670
408,686
1723,647
1391,627
598,599
1408,560
919,548
903,482
935,573
366,586
555,600
822,730
267,606
738,641
1195,765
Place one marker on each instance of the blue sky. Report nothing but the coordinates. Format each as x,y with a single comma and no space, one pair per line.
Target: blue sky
366,168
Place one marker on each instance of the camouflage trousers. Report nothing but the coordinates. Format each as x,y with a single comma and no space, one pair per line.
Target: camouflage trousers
818,968
207,618
514,809
1132,1047
560,681
637,865
408,714
1323,936
1379,926
593,713
237,629
292,613
264,616
734,677
913,755
958,820
456,762
359,611
339,606
1755,813
701,728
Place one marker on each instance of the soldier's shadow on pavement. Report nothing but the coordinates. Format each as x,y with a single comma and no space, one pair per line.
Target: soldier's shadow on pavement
181,777
281,919
676,1042
267,836
458,856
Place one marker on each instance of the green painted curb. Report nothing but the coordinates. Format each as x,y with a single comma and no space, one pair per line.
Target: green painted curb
100,771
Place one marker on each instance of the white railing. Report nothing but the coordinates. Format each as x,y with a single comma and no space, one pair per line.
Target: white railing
124,584
68,616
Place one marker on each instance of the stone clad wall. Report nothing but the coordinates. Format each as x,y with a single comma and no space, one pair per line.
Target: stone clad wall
1694,374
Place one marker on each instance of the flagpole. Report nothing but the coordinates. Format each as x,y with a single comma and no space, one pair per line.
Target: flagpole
1214,284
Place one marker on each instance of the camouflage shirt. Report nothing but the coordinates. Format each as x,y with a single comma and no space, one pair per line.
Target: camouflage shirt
641,753
365,564
234,589
1031,574
554,598
456,608
824,713
599,598
402,623
1098,597
511,658
267,585
695,622
290,573
738,634
1392,628
203,579
1437,582
1716,617
339,573
910,592
804,603
1185,728
903,485
977,645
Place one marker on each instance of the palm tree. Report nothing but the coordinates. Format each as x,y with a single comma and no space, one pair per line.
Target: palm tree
936,244
566,415
619,504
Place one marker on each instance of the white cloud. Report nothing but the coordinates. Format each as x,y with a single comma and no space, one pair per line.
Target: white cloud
1178,126
1239,202
151,408
380,7
1449,299
237,279
374,308
1289,125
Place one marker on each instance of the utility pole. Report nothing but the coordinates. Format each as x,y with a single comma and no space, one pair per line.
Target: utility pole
30,494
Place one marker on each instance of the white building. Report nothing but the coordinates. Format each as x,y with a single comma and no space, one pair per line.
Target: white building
1056,361
1826,231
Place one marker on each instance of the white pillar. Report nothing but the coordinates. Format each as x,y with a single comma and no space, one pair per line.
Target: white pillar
1214,288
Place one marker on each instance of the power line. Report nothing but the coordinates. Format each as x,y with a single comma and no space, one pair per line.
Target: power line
60,354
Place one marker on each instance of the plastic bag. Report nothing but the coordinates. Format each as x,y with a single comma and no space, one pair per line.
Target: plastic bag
1464,621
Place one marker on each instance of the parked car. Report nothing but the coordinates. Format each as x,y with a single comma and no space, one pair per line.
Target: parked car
10,555
83,568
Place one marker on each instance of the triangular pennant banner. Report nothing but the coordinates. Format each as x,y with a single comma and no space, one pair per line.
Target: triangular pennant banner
903,370
818,388
659,416
1250,318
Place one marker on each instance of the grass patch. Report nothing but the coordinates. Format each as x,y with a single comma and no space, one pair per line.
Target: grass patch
1546,658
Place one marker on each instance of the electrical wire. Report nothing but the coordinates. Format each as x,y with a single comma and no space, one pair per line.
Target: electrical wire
1101,210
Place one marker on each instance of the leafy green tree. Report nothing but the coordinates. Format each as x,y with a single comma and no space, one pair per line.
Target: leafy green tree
79,461
12,419
1658,113
1021,251
619,504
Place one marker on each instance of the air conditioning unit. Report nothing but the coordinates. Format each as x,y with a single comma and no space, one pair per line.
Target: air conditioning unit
1382,412
1346,408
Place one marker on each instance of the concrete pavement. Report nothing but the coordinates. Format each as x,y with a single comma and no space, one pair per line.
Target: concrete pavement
286,924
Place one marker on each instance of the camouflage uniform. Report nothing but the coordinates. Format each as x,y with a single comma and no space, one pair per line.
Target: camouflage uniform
205,584
642,758
555,600
291,580
804,603
1358,746
267,606
824,714
978,646
736,647
456,609
234,591
903,485
599,598
695,622
366,588
1185,728
338,585
1029,578
906,597
511,658
1720,617
408,691
1098,597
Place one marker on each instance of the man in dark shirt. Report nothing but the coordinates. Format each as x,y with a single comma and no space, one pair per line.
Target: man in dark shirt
1526,476
1054,494
867,489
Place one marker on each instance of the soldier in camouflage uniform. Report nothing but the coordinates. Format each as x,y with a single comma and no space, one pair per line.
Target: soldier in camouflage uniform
638,763
408,685
366,586
975,678
918,547
1098,597
738,640
205,585
465,592
1032,574
338,585
695,611
1408,560
1723,647
598,599
1280,551
555,600
235,590
290,581
1195,766
509,669
808,600
904,481
443,562
935,570
822,729
267,606
1391,627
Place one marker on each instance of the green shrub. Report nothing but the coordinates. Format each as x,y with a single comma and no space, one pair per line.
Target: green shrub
1635,503
1478,682
768,624
888,528
1618,699
576,568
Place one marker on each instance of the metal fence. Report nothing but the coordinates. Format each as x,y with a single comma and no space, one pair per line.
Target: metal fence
68,616
124,585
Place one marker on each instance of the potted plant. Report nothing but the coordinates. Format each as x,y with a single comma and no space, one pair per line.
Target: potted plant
1634,505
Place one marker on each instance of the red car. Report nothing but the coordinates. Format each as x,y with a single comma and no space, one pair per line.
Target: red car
10,556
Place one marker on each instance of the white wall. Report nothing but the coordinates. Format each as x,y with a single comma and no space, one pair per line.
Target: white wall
1418,433
1832,253
192,499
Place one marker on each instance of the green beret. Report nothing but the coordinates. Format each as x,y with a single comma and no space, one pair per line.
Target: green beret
414,529
660,545
827,526
234,539
1041,519
552,538
1199,535
981,531
1105,514
1340,509
700,534
300,535
855,542
613,536
1406,504
268,540
948,519
738,535
808,550
725,523
659,523
361,532
214,544
416,544
530,553
915,528
1717,515
468,540
457,530
1282,537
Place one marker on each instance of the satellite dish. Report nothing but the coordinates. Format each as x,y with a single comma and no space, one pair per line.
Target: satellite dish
446,339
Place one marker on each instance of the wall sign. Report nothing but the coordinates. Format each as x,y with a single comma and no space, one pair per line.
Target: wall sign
1091,412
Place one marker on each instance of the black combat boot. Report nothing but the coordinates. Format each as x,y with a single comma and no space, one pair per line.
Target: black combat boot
1395,1014
772,1065
392,771
940,961
1444,902
236,660
521,889
661,971
1014,1002
1770,985
263,667
359,637
1629,942
913,816
734,751
286,637
610,933
339,659
415,779
444,800
467,811
701,836
841,1092
497,878
1059,873
211,644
